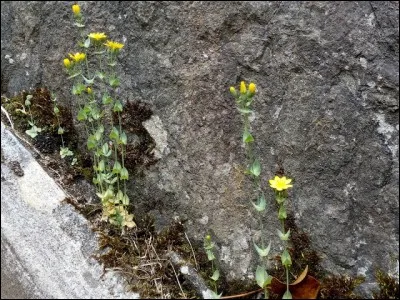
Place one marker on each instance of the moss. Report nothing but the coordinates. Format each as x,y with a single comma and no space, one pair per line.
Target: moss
132,117
340,287
388,287
47,141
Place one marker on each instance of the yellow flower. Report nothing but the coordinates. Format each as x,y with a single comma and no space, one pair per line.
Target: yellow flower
280,183
77,57
232,90
89,90
242,88
67,63
252,88
114,46
98,36
76,9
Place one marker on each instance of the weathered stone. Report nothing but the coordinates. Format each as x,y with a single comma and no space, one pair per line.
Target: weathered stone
327,108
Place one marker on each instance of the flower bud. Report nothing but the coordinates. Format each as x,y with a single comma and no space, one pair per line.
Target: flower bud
67,63
76,9
233,91
252,88
242,88
89,90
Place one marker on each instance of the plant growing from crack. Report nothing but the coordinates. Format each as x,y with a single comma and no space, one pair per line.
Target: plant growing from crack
244,100
95,85
34,130
64,151
208,247
280,185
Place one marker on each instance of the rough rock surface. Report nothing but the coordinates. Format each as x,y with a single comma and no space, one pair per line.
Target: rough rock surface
327,108
47,247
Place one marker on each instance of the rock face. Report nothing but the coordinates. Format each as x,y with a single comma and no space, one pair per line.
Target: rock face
327,109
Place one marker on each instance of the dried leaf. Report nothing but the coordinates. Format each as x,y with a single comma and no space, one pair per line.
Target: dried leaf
304,287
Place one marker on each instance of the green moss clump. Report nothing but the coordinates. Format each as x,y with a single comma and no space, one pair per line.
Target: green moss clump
388,287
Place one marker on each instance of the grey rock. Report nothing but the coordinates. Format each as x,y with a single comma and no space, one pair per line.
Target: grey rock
327,108
46,246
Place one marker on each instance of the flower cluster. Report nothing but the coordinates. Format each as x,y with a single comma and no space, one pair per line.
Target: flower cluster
106,140
114,46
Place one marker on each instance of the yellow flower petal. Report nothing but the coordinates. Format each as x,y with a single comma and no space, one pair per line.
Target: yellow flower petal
114,46
76,9
98,36
243,87
252,88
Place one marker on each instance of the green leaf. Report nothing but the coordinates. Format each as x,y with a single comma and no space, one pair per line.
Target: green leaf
78,89
114,134
287,295
280,198
101,167
282,213
100,75
60,130
33,132
262,277
87,43
284,236
262,252
56,110
82,115
74,161
124,175
80,25
255,168
88,81
125,200
286,259
28,100
107,99
215,275
114,82
64,152
91,142
210,255
105,149
245,110
123,139
117,106
260,206
117,168
247,137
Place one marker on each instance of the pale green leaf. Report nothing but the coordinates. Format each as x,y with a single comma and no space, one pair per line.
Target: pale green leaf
284,236
215,275
282,215
124,175
87,43
286,259
117,168
245,110
210,255
263,252
262,277
260,206
255,168
247,137
287,295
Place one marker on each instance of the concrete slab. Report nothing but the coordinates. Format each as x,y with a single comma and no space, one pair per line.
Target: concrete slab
46,246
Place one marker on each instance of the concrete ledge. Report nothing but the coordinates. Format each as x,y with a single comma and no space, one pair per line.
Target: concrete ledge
45,244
